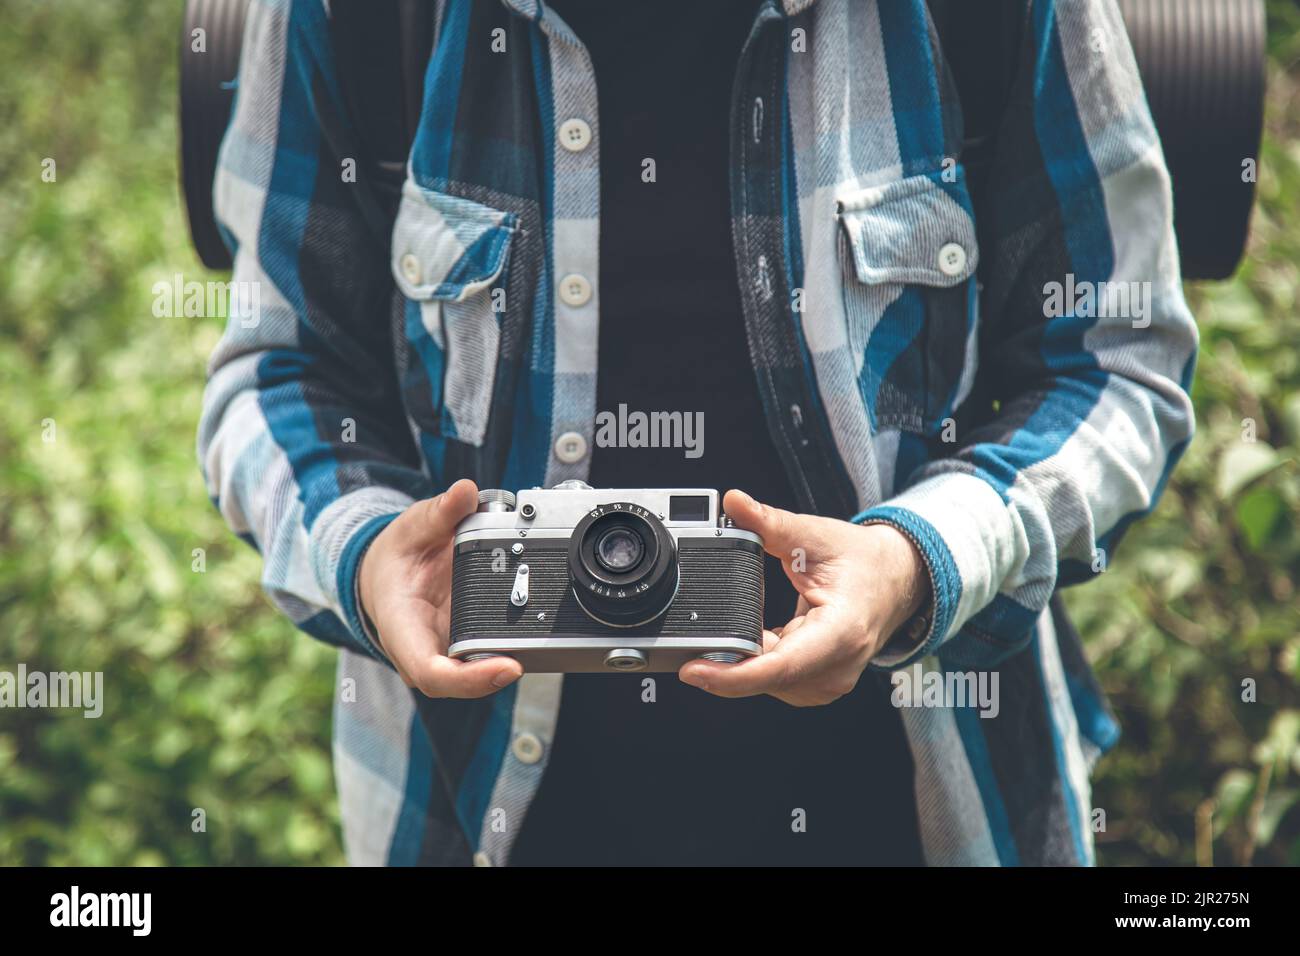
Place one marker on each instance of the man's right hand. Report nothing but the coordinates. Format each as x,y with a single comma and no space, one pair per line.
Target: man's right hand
404,584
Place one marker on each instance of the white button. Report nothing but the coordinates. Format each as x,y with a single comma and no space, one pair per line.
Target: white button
411,268
527,748
482,859
570,448
575,135
952,259
871,197
575,290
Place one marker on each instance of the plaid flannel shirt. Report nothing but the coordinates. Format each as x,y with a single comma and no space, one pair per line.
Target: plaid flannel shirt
382,367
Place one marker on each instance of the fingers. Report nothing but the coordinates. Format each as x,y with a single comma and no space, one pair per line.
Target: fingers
432,522
410,639
439,676
438,565
765,674
785,664
442,621
806,665
794,625
780,530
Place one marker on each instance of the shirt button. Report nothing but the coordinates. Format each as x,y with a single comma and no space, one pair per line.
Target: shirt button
571,448
575,290
575,135
527,748
482,859
411,268
952,259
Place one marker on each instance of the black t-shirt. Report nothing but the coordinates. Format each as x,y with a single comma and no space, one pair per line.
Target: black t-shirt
689,778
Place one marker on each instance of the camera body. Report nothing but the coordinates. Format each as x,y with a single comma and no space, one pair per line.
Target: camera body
580,580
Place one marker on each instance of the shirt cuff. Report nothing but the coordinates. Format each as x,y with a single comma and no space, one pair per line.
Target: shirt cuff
358,622
339,539
969,540
912,635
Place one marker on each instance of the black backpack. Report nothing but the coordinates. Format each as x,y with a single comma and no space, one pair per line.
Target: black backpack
1202,63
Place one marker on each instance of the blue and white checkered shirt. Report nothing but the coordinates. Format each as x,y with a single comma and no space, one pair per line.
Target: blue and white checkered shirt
381,368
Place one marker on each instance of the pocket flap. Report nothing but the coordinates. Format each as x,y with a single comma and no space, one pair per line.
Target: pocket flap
915,230
447,247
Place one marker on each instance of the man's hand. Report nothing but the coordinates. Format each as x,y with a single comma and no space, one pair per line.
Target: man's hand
857,585
405,587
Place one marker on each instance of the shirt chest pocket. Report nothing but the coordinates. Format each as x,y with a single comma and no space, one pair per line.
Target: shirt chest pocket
908,254
449,259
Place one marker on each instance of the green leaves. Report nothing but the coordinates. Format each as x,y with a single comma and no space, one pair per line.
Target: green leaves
1258,513
212,700
1195,626
1241,464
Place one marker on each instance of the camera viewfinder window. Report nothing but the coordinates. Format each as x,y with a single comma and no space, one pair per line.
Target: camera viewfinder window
688,508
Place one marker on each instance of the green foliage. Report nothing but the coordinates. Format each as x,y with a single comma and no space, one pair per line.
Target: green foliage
1201,596
212,700
215,702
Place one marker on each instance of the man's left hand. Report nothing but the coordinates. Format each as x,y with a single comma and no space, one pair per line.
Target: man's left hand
857,585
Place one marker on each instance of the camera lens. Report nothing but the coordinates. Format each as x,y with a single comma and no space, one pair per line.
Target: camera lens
623,564
619,550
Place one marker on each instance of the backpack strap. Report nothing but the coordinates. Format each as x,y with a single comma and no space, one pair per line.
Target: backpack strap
382,51
981,43
415,32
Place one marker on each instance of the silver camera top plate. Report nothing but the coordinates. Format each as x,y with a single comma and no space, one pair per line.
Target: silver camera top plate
562,507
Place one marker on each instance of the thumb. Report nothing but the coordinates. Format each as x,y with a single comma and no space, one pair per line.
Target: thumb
433,521
782,531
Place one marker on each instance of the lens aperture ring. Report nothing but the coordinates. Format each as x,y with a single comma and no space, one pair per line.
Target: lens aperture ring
623,563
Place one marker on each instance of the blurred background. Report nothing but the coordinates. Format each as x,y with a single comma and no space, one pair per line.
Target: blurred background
213,701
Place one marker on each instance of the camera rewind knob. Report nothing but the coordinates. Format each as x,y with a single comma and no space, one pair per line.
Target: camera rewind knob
496,499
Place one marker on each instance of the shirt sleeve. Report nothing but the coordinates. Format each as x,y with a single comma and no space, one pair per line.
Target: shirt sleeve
1087,348
303,442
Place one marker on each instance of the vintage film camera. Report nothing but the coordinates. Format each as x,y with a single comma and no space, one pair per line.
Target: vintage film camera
580,580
